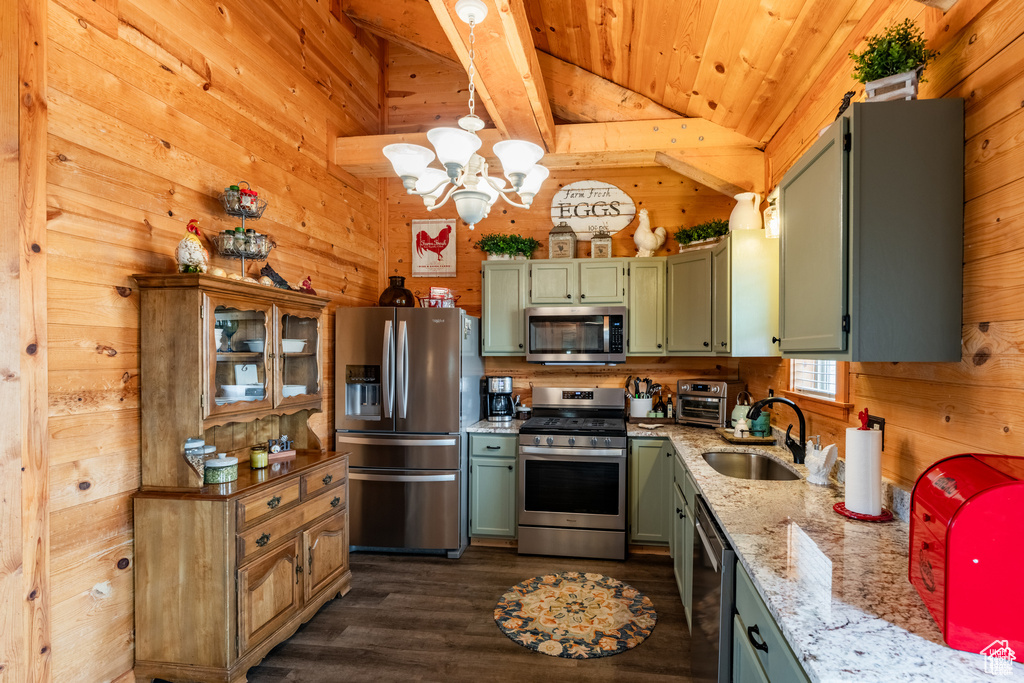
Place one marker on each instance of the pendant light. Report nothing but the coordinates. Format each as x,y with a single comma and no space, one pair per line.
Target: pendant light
465,178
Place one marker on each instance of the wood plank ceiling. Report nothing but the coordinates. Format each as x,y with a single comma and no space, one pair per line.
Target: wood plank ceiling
740,65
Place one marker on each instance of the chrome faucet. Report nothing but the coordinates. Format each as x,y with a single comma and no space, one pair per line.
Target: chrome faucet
798,448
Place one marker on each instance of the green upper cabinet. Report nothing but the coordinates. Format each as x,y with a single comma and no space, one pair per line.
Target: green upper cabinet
578,281
553,282
650,477
689,302
602,281
753,280
872,236
724,299
646,307
721,302
504,297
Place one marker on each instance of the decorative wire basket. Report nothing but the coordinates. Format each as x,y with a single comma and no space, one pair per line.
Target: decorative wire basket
438,302
251,247
234,206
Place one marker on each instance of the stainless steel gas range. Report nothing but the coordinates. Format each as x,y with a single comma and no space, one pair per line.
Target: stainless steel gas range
572,474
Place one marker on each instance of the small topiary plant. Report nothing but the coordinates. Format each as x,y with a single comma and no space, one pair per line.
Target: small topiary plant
901,48
716,227
498,243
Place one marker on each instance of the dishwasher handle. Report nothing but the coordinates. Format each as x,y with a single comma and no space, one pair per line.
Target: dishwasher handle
713,544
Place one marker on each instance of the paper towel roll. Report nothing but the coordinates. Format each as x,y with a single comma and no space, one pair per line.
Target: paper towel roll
864,471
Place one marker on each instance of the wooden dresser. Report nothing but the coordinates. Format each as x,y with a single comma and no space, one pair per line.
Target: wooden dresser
225,573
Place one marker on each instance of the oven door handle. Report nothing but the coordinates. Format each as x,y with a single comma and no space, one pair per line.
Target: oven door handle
540,450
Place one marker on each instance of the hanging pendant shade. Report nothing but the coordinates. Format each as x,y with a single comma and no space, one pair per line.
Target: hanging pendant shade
453,145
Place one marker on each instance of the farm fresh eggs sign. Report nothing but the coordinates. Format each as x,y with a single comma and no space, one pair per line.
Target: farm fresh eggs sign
433,248
590,206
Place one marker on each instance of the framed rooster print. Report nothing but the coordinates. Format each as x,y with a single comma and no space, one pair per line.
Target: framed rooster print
433,248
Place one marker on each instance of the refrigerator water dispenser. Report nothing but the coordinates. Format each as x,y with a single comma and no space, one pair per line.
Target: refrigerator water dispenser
362,392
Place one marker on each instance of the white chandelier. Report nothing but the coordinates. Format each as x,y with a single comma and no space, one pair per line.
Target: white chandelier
464,178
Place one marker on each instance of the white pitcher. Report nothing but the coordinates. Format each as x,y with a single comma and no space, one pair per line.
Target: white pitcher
745,215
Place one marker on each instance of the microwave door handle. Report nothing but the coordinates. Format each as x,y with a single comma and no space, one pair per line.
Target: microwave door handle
389,385
402,359
607,334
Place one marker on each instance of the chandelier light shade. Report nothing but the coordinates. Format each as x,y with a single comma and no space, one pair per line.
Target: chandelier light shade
465,178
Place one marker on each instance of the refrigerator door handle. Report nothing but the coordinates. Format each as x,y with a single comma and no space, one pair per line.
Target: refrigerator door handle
392,441
406,478
388,388
403,369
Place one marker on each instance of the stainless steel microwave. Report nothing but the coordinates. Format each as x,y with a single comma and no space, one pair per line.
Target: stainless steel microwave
576,335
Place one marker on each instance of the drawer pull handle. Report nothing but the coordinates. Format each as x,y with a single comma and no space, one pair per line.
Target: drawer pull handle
751,630
274,502
335,502
327,479
494,448
298,569
263,540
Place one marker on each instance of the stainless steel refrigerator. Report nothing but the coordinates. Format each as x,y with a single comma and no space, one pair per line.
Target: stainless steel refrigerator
408,384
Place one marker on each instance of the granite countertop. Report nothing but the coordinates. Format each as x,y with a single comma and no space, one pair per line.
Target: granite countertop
485,427
838,588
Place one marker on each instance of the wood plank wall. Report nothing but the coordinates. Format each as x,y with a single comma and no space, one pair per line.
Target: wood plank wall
933,410
423,93
155,106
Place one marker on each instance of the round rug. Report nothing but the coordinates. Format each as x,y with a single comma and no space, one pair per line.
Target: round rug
575,615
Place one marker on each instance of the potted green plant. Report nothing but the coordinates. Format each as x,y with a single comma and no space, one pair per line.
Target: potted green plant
707,231
501,246
891,65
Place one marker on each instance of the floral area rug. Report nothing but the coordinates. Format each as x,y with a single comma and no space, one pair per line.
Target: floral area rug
575,615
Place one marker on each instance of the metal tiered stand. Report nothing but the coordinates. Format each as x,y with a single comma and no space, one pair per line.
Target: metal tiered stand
235,246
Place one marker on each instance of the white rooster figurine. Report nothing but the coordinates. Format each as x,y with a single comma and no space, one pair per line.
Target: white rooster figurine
648,241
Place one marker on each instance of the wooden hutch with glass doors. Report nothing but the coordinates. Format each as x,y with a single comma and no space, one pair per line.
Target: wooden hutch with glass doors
224,572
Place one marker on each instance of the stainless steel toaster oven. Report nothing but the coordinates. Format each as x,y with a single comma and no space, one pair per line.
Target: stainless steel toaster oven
707,403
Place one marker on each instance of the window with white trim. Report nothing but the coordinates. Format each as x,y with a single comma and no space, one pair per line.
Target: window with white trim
814,377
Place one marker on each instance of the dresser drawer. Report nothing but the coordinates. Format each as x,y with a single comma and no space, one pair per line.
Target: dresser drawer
281,527
333,474
272,501
495,446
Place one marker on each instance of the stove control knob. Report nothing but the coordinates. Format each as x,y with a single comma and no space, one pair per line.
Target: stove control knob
593,441
550,441
607,441
572,440
536,439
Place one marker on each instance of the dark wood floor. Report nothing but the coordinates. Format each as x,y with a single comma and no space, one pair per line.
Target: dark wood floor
416,618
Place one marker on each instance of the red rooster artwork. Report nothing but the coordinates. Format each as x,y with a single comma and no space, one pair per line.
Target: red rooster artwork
424,242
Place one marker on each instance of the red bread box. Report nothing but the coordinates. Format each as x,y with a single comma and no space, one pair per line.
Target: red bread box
967,549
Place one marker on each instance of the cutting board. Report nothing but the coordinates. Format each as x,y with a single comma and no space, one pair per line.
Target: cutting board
758,440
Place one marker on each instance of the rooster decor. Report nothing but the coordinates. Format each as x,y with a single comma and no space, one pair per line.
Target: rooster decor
424,242
648,241
191,255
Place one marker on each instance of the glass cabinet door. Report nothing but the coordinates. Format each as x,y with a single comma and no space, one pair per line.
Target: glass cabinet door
241,345
298,354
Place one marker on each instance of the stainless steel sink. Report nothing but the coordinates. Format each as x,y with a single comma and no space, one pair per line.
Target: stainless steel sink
748,466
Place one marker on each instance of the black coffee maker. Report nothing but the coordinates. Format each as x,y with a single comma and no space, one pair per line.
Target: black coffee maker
498,404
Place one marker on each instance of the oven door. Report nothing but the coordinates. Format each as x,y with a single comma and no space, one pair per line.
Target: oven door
572,487
700,410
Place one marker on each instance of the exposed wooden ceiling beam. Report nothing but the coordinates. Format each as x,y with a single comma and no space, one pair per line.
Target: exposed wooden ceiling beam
508,76
713,155
575,94
582,97
728,171
944,5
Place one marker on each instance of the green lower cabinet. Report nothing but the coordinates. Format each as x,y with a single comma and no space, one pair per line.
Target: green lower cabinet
682,552
746,667
757,635
492,486
650,476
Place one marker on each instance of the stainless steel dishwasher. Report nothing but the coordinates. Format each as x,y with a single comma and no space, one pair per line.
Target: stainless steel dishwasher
714,592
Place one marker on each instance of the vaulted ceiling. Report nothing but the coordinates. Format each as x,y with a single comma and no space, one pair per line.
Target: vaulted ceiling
736,69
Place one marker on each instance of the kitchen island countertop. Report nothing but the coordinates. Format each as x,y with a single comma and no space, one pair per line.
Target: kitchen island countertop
837,588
